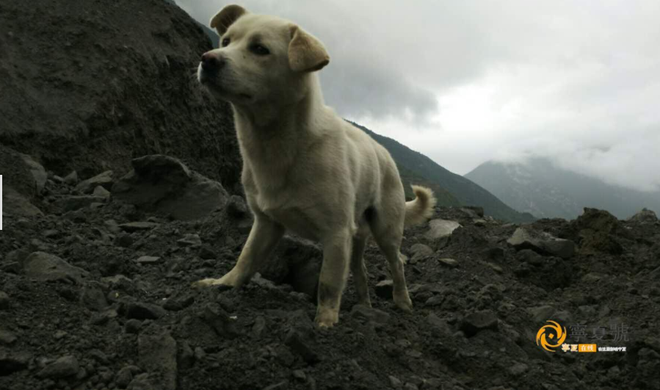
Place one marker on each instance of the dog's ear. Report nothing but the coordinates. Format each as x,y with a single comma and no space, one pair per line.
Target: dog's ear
226,17
306,53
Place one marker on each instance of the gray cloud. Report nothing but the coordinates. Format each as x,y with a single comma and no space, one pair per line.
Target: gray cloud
578,83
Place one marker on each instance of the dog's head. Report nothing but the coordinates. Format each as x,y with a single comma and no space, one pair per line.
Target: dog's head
260,58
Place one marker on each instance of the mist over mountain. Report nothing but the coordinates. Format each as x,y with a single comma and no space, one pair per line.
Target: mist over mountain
538,186
450,189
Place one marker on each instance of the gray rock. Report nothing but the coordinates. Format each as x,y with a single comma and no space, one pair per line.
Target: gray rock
124,377
376,316
138,226
45,267
87,186
541,242
300,345
420,252
93,298
4,301
191,240
144,311
164,184
142,382
7,337
644,216
236,207
478,321
77,202
101,192
439,325
157,355
13,361
38,172
215,317
518,369
448,262
541,314
179,302
148,260
71,178
15,204
440,228
63,367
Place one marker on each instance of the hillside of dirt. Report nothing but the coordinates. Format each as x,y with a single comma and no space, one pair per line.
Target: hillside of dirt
95,294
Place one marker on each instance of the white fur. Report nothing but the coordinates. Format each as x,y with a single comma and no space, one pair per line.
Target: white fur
306,169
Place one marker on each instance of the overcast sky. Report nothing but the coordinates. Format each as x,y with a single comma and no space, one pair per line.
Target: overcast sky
473,80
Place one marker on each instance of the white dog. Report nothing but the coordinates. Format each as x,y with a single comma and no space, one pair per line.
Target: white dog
305,169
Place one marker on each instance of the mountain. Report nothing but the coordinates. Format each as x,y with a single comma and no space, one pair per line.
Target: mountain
540,187
451,189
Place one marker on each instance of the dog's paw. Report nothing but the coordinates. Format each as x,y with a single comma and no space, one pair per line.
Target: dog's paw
326,320
404,304
208,282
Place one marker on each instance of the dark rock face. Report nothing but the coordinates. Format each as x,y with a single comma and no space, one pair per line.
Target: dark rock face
164,184
123,86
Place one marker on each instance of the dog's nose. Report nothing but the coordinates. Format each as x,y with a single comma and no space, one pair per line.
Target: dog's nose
211,62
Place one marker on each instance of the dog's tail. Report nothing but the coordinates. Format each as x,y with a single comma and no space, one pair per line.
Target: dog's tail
420,209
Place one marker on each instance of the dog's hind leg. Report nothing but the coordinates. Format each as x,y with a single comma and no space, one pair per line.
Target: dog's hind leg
359,270
264,235
387,229
334,272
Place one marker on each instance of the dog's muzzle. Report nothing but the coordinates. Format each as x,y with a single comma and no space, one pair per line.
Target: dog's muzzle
211,63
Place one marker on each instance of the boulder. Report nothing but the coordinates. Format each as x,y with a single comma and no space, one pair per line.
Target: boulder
104,180
644,216
45,267
541,242
440,228
164,184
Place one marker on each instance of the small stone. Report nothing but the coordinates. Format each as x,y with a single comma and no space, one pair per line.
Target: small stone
138,226
518,369
45,267
148,260
77,202
448,262
133,326
384,289
101,192
420,252
236,207
63,367
440,228
206,253
258,327
191,240
362,312
51,233
478,321
541,314
104,317
495,267
179,302
93,298
71,178
4,301
104,179
124,377
218,320
144,311
11,361
395,382
300,346
6,337
300,375
157,353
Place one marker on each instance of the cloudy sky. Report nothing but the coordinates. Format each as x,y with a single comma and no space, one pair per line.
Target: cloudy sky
473,80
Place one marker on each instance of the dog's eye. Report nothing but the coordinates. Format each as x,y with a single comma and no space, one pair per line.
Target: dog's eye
225,42
259,50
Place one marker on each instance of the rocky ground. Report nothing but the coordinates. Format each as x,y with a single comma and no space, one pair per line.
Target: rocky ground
95,294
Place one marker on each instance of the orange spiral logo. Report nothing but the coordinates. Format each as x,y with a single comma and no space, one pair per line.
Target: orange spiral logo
551,336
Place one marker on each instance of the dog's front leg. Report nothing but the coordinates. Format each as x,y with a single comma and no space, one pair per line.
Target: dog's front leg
264,235
334,272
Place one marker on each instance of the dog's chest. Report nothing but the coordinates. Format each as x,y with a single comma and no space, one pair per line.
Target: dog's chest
295,220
